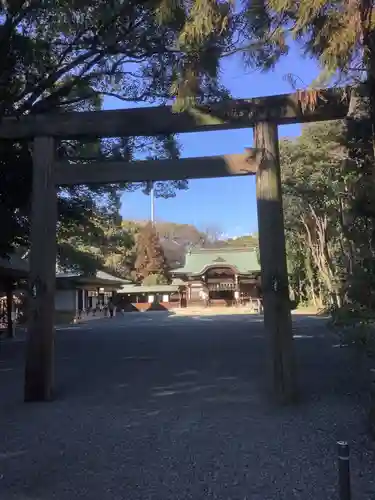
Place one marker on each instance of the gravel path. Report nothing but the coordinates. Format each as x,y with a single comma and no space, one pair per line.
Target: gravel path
161,407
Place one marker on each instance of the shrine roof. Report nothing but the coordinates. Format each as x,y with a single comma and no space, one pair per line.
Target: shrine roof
244,260
14,266
99,278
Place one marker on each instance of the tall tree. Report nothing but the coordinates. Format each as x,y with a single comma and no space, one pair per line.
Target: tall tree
150,264
327,265
103,244
341,37
68,54
314,180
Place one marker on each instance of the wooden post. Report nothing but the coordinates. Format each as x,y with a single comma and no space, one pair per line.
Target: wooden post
9,294
39,373
274,276
372,402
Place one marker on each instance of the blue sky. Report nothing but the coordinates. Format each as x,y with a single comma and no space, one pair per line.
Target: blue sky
228,204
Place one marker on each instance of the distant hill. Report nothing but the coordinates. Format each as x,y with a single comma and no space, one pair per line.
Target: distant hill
177,239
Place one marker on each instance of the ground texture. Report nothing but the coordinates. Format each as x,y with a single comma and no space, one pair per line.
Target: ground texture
156,406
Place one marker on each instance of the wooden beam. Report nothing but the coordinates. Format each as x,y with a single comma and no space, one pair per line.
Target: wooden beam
104,172
39,373
274,276
228,114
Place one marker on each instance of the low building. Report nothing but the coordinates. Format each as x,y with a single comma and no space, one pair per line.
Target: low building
131,297
228,275
13,282
78,293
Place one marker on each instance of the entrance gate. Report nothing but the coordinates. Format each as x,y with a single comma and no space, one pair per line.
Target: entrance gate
263,114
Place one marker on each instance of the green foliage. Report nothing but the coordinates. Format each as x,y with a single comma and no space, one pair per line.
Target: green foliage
330,228
155,279
355,326
314,195
150,148
248,240
101,244
67,55
338,34
330,222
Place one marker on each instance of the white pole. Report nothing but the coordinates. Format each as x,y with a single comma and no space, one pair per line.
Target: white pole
152,196
77,303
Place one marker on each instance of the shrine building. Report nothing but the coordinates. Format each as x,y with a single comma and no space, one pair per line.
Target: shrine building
220,272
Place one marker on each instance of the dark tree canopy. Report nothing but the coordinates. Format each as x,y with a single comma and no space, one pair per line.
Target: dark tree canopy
66,55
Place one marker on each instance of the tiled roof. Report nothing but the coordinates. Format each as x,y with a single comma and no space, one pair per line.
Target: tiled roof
15,263
106,276
98,276
244,260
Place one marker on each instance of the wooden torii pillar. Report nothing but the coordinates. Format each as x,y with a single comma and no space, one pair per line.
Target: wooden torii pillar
39,370
275,290
9,299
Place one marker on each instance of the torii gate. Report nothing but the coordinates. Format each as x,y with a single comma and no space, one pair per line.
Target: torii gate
263,114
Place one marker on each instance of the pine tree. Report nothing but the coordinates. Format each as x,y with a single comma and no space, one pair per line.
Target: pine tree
339,34
150,264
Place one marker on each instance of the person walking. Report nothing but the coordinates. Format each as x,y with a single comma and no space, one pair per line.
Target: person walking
205,297
111,308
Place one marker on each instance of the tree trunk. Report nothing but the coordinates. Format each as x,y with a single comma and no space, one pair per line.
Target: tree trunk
277,315
313,294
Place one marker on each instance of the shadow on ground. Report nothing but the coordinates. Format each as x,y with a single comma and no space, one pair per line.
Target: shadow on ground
174,408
